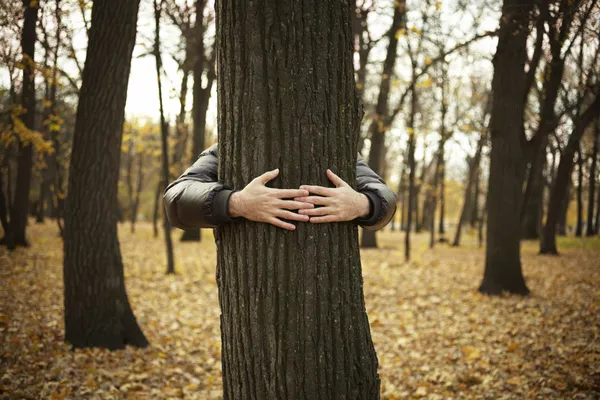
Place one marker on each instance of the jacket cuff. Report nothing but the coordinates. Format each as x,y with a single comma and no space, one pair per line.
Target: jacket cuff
375,207
220,206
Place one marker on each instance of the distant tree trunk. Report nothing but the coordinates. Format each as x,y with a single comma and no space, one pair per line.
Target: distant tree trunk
442,226
156,210
411,168
97,310
164,132
563,175
579,226
532,212
201,98
503,259
597,221
590,225
561,226
473,168
293,322
15,235
3,205
378,127
475,200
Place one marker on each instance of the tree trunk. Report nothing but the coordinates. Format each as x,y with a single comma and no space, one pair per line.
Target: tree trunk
201,97
441,226
579,226
590,225
156,211
563,175
15,236
561,226
97,310
164,133
293,322
503,254
378,127
533,209
411,168
475,200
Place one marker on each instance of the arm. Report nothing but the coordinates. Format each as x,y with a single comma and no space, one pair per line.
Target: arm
382,198
196,199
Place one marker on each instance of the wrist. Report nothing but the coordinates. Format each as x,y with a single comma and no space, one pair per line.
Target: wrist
364,205
235,205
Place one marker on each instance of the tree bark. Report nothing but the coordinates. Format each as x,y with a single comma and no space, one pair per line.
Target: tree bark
97,310
411,170
503,270
533,209
15,236
378,127
442,226
590,225
293,320
563,175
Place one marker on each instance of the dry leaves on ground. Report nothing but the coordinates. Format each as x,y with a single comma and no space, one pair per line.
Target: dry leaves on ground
435,336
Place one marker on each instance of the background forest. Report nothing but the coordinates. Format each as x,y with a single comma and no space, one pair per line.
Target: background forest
483,116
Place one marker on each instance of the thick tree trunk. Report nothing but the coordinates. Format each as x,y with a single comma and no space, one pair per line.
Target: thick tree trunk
503,254
590,225
97,310
533,208
579,225
15,236
378,127
563,176
293,321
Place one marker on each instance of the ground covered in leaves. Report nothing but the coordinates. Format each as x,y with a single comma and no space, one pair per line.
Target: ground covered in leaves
435,336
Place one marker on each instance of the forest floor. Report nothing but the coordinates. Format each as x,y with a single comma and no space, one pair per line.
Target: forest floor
436,337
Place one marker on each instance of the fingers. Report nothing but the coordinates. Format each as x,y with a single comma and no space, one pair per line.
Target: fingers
267,176
291,216
316,211
289,193
293,205
320,190
281,224
322,201
324,219
336,180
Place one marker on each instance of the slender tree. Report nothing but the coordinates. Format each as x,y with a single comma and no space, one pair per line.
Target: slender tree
293,321
590,225
580,162
97,310
503,270
15,235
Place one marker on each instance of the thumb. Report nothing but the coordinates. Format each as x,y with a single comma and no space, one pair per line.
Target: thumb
268,176
336,180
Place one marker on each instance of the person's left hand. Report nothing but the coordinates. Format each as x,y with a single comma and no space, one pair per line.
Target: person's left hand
338,204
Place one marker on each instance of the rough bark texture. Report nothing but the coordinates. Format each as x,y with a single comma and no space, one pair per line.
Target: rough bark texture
293,320
15,236
378,127
97,310
503,254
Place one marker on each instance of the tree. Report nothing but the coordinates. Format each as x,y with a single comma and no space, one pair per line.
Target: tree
293,320
97,310
15,235
503,270
590,225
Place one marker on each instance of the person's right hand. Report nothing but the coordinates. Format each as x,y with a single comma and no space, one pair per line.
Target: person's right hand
259,203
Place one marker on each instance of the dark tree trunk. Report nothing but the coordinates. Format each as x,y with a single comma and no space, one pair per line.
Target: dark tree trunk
201,97
164,133
597,221
475,200
579,226
563,176
293,320
15,236
503,270
97,310
441,226
533,209
590,225
156,211
563,213
411,168
378,127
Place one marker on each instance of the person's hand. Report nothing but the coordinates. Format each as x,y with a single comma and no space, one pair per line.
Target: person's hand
259,203
341,203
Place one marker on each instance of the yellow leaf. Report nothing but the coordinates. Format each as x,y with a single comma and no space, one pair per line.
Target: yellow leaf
471,352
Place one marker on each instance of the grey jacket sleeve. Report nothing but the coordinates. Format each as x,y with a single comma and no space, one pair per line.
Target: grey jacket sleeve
381,197
196,199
